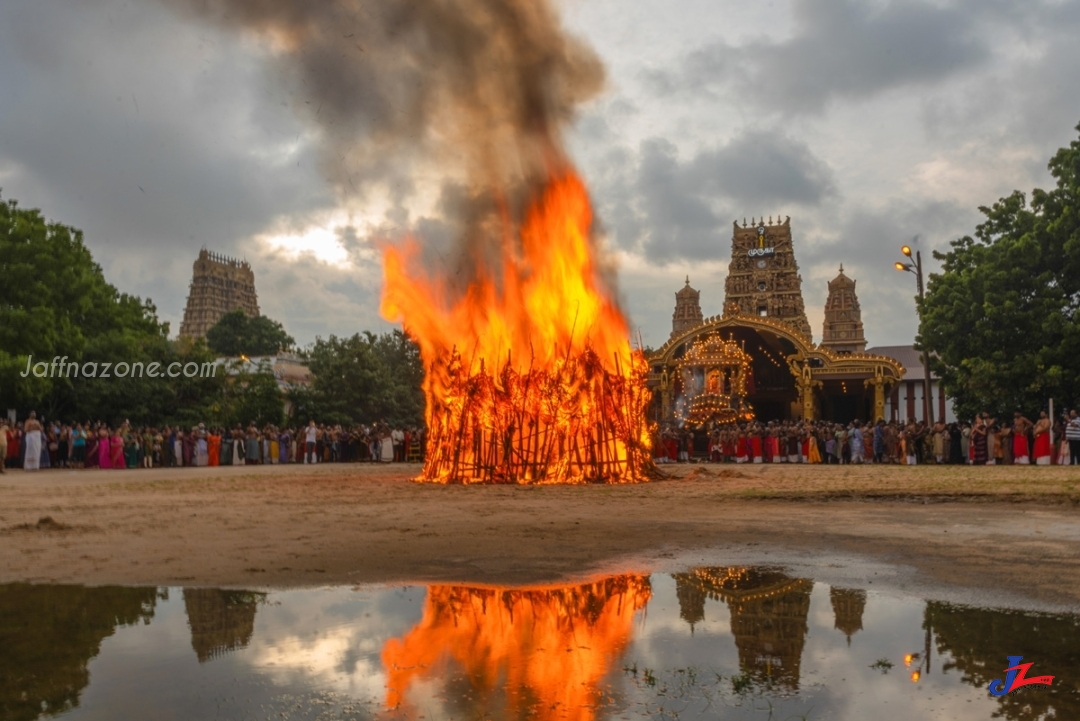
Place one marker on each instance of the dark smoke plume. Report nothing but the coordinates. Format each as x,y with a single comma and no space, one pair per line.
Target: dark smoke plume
479,89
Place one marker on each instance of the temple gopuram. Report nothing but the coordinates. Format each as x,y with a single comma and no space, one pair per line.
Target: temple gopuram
758,358
219,285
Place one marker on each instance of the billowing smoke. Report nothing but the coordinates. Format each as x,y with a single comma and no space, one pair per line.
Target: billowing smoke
478,90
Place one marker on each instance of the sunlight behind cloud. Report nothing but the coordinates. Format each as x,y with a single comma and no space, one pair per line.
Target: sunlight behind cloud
321,241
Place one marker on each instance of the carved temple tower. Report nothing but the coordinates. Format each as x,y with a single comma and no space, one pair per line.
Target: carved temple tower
219,285
843,329
763,277
687,309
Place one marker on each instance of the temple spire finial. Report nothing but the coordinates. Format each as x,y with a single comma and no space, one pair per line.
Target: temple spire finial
841,267
688,280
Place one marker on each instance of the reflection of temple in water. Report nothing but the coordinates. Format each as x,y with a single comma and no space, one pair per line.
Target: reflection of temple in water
768,616
848,605
49,633
220,621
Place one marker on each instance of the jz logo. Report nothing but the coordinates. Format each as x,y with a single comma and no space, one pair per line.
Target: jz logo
1015,677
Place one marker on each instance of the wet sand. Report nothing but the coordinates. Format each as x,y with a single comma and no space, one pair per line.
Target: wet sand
1005,530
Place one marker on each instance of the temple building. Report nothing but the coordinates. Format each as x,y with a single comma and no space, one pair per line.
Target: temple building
843,330
687,309
758,359
219,285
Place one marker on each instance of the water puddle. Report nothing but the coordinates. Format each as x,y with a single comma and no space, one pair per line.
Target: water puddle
720,642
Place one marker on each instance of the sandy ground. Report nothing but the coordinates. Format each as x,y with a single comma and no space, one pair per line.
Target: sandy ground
1000,530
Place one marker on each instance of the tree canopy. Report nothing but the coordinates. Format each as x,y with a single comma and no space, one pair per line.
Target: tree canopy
364,379
56,303
238,334
1003,316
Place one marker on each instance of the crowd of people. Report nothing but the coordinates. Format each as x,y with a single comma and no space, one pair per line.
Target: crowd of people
35,444
984,441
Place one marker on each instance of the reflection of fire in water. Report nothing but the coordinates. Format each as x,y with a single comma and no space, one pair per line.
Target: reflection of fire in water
529,374
538,650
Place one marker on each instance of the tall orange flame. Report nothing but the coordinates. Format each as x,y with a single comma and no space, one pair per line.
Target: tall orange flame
543,650
529,375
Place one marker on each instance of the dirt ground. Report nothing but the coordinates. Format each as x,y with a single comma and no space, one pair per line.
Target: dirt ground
997,529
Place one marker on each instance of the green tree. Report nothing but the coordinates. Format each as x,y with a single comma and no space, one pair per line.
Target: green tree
237,334
1003,316
249,395
55,303
363,378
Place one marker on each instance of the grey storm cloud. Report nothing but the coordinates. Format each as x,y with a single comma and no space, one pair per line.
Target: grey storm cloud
673,209
840,48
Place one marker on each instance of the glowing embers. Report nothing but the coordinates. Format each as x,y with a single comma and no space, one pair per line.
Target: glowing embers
534,652
529,374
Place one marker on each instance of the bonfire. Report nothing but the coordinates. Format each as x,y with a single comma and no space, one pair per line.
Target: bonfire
529,373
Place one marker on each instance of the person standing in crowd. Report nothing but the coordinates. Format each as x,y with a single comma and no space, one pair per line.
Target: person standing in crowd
397,437
116,450
1041,432
978,439
1021,449
213,447
1005,442
879,441
32,434
311,436
78,446
856,438
3,445
1072,435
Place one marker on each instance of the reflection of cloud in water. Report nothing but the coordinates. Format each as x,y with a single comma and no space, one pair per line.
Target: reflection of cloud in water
331,638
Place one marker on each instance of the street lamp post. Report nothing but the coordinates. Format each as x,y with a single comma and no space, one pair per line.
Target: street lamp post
916,268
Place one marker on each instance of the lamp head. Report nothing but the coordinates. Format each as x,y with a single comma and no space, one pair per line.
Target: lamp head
901,266
906,250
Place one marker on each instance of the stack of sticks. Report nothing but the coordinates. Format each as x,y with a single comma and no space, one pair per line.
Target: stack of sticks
573,423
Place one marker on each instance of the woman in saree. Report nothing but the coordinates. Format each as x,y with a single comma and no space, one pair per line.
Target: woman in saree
116,450
131,448
104,448
213,448
813,451
90,450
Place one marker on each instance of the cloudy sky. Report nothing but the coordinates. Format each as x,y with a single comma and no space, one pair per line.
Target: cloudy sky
867,121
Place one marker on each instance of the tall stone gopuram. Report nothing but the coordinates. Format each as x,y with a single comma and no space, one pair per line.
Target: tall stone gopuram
219,285
687,309
842,331
763,277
